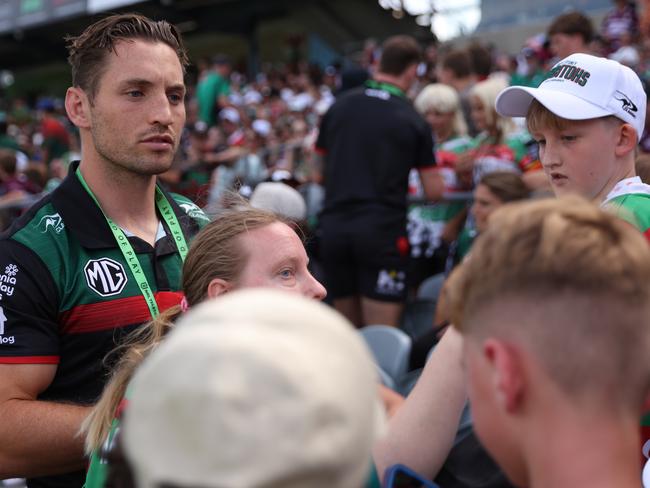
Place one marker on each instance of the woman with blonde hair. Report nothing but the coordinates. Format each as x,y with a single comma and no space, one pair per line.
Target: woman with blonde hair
440,106
500,145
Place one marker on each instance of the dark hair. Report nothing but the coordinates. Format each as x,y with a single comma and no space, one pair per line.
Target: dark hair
8,161
481,58
459,62
572,23
87,52
398,53
506,186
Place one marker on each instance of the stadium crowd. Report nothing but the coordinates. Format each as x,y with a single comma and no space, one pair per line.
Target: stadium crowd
451,246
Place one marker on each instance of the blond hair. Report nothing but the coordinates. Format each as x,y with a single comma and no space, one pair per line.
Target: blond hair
576,279
444,99
216,252
487,91
540,118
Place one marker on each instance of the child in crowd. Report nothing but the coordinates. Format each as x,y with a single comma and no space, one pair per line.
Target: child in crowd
587,117
500,146
556,341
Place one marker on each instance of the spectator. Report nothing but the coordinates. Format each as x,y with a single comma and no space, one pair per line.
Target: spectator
74,290
499,146
56,140
570,33
620,26
6,141
481,59
627,52
596,158
493,190
428,226
370,139
213,89
604,103
533,384
297,406
456,71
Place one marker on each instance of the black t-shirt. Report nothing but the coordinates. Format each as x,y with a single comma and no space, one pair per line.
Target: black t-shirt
371,137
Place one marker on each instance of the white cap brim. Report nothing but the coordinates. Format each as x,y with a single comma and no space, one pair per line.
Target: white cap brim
515,102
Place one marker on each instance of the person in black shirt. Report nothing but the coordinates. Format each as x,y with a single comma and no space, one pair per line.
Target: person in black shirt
368,141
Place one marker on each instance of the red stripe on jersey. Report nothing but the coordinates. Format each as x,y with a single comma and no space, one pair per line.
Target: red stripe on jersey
320,150
114,314
30,360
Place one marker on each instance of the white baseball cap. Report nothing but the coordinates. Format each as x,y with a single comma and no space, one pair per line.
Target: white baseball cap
280,199
582,87
257,388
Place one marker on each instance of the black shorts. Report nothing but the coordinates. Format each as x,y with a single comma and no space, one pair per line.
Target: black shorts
366,264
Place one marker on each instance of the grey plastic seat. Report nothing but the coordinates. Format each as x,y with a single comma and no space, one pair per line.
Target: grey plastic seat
391,348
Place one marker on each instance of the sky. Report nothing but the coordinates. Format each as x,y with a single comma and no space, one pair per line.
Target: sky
453,17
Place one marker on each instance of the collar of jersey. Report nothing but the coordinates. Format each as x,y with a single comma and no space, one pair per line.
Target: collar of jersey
85,220
387,87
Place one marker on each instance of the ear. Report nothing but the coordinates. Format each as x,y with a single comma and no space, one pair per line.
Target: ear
627,140
77,107
218,287
507,373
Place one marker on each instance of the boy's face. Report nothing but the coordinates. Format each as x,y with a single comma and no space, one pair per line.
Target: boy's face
580,158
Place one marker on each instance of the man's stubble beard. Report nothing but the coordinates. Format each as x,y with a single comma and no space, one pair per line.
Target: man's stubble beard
120,159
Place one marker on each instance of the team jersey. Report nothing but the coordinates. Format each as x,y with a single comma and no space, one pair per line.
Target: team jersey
425,223
630,200
516,153
67,297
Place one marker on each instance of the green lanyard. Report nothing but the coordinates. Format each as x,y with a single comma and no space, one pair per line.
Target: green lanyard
127,250
392,89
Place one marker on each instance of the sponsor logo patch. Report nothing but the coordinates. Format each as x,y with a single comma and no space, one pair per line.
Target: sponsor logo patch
8,281
628,105
4,339
105,276
54,222
193,211
390,282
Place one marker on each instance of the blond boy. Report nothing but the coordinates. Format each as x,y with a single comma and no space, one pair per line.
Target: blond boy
587,117
554,307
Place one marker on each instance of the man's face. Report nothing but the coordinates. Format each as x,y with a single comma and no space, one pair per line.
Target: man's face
138,112
277,259
580,158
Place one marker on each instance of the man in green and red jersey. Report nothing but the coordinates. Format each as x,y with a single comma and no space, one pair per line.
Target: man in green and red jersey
98,256
587,118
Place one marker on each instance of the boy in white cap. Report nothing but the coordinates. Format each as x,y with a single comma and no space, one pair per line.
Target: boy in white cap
587,117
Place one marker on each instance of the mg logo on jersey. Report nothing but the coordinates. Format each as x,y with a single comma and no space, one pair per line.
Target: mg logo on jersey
105,276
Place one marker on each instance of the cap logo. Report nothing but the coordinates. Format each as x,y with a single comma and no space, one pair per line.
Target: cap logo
628,105
571,73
